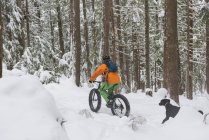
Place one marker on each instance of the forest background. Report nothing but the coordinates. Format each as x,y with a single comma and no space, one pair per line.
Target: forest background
156,43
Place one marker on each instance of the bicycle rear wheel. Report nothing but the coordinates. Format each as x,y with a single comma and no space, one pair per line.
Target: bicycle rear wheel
120,106
94,100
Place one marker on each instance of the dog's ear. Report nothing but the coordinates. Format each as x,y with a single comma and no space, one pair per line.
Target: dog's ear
166,101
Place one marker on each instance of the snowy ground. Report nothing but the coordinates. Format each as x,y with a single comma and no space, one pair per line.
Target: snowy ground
187,125
20,115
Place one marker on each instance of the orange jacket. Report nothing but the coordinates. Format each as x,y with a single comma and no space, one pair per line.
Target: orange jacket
111,77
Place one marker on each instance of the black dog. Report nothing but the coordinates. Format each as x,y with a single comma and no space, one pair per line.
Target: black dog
171,111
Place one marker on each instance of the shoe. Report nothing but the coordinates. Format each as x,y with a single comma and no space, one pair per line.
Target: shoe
109,104
110,97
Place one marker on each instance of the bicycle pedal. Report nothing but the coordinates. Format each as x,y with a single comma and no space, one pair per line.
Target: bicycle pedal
110,96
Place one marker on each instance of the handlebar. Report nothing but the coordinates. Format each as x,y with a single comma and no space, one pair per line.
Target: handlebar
97,82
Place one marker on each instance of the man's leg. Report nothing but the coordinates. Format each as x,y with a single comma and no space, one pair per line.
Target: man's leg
107,89
103,91
112,88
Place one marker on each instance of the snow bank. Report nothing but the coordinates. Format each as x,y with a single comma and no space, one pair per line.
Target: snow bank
28,111
162,93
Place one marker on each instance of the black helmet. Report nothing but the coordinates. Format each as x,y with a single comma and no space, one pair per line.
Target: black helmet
105,57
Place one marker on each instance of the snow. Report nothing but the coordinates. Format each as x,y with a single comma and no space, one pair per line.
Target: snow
45,76
28,111
144,121
162,93
162,13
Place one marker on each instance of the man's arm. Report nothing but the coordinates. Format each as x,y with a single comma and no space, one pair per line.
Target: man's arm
101,69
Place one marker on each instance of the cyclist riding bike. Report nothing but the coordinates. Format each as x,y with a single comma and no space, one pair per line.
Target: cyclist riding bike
111,79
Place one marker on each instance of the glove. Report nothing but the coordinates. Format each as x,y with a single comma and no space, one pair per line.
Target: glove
90,81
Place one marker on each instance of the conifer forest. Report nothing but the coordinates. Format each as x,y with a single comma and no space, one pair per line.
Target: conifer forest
155,43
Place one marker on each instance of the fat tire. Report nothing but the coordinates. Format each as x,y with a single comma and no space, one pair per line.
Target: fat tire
94,92
125,100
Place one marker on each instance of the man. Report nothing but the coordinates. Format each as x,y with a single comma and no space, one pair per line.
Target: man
111,79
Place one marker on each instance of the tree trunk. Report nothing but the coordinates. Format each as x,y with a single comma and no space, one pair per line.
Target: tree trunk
86,39
27,24
8,30
113,50
61,41
207,52
147,44
94,35
71,17
207,58
155,77
1,39
52,31
106,18
189,83
127,60
172,50
135,57
139,67
156,39
127,72
136,67
8,19
37,4
165,54
120,47
77,37
21,35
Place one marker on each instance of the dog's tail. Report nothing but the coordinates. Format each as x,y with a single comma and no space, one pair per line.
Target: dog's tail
201,112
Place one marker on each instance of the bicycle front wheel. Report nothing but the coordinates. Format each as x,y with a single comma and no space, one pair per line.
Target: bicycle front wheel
94,100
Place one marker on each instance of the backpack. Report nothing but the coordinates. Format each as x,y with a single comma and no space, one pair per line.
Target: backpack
111,66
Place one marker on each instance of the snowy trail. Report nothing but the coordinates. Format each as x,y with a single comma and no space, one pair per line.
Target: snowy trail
28,111
104,126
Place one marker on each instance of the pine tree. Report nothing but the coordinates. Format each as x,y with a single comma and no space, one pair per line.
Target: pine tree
119,36
172,49
27,24
61,39
147,43
86,36
1,39
106,24
113,49
21,34
189,83
77,37
207,48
